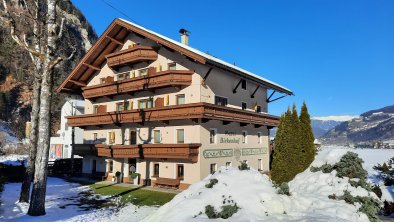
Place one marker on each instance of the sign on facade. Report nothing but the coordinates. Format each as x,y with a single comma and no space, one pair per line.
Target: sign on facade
254,151
216,153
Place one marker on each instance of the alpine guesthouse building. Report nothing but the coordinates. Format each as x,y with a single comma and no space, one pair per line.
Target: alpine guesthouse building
163,113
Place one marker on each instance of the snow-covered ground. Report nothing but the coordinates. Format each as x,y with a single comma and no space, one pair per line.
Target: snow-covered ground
61,201
252,191
259,201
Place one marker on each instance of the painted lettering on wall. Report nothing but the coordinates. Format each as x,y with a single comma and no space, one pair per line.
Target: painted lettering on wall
254,151
229,140
215,153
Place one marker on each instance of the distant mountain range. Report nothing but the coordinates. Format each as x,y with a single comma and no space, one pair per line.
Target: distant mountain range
374,125
321,125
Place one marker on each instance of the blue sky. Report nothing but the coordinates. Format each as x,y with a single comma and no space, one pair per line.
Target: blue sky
338,56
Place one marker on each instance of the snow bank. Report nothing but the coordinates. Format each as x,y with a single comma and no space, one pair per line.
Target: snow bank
258,200
13,160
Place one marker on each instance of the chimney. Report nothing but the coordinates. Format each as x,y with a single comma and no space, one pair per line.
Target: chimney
184,36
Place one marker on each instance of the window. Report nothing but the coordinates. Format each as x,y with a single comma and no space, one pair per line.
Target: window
212,136
94,136
228,164
243,84
156,169
156,136
102,80
120,77
127,75
143,72
95,109
126,106
258,109
212,168
94,166
172,66
66,126
244,136
221,101
111,137
180,171
119,107
180,135
111,166
180,99
147,103
133,137
259,138
260,165
243,105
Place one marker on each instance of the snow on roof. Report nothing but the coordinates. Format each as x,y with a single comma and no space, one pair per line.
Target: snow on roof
211,58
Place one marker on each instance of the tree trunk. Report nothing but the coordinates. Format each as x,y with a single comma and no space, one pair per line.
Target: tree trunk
28,176
37,203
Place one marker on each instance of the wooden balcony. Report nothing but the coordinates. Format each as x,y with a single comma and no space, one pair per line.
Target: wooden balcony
103,150
151,151
194,111
154,80
131,56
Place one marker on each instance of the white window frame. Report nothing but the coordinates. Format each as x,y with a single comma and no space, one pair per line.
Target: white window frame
259,137
244,139
215,139
229,165
260,165
216,168
176,135
225,97
153,139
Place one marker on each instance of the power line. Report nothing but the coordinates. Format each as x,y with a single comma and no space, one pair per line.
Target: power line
119,11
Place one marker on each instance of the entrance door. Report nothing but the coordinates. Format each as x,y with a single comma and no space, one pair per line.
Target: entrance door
132,167
133,137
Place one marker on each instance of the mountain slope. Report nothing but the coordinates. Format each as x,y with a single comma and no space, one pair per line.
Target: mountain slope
16,69
374,125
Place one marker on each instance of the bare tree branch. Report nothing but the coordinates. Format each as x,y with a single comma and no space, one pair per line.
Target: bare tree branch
60,34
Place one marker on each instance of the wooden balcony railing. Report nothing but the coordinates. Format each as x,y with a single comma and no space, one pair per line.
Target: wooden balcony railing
130,56
186,111
151,151
153,80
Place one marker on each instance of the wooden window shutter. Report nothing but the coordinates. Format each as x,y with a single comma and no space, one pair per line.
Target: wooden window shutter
112,137
132,73
131,104
167,100
158,68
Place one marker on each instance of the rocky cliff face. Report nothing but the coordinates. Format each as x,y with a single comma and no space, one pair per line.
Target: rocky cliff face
15,68
374,125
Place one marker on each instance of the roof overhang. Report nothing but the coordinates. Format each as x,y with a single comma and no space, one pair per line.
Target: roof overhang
116,34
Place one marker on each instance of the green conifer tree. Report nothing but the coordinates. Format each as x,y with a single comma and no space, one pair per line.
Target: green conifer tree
282,151
307,142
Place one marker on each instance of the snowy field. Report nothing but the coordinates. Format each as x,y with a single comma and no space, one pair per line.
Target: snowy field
62,205
260,201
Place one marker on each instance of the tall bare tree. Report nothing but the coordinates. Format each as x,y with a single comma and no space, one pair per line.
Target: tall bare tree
13,16
46,34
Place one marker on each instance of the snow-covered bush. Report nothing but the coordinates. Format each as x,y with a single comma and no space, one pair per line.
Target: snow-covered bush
227,211
386,172
376,189
369,205
283,188
243,166
211,183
